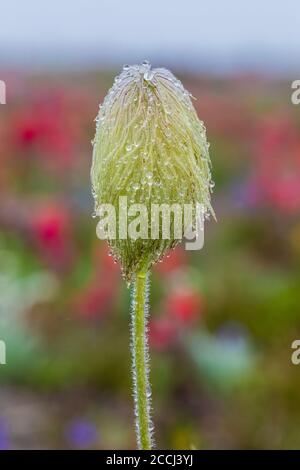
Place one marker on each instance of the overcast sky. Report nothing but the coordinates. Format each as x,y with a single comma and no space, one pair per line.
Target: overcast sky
216,33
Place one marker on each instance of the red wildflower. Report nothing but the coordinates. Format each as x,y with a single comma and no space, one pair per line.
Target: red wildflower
277,174
48,128
51,229
184,306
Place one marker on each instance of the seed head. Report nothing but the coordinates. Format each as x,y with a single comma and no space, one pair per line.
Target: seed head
151,147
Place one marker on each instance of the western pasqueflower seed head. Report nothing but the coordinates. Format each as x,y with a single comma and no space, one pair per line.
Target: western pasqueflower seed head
151,147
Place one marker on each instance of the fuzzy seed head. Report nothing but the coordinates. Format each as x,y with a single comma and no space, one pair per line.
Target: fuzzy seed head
151,147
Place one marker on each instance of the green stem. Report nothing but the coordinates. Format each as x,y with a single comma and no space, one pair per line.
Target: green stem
140,367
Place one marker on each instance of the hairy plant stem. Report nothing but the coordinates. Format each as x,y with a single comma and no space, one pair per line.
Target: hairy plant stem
140,361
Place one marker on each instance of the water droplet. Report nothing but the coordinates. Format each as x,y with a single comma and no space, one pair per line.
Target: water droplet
149,175
148,76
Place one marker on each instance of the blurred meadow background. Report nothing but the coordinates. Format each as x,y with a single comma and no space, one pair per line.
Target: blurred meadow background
222,319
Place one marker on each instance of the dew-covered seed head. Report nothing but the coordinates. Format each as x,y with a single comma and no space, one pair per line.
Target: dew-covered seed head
151,147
